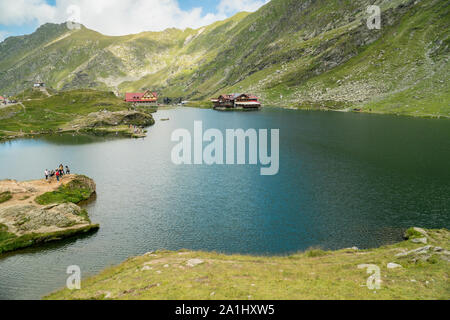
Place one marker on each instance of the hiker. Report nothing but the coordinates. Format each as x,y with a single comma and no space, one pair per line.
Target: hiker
57,175
46,174
61,170
67,170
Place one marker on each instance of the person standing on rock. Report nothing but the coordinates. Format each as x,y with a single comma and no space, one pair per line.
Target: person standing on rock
57,175
67,170
46,174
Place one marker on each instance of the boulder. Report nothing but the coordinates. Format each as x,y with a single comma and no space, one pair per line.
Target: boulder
421,231
28,218
393,265
420,240
194,262
422,250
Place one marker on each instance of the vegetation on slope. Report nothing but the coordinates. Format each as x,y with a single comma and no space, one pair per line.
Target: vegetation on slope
76,191
57,112
293,53
419,273
5,196
11,242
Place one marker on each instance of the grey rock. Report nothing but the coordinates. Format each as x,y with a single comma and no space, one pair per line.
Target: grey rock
421,250
421,231
30,217
194,262
393,265
420,240
401,254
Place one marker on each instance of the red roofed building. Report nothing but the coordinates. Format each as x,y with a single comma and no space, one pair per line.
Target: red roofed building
236,101
142,98
2,100
247,101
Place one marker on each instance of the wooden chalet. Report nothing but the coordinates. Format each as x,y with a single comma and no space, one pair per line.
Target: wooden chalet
247,101
236,101
142,98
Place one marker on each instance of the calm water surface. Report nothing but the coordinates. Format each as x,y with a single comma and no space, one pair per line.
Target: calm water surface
345,180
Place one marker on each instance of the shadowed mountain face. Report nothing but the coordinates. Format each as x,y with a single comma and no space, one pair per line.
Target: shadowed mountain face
298,53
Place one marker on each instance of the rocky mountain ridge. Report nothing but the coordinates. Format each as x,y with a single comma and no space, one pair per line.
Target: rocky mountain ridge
292,53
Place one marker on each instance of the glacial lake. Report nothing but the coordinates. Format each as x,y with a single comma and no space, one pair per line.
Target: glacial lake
345,180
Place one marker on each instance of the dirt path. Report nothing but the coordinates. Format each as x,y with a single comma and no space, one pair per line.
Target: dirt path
27,191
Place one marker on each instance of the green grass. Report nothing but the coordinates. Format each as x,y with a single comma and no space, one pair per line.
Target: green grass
411,233
63,195
312,253
204,104
33,94
313,275
13,242
4,234
5,196
74,192
49,114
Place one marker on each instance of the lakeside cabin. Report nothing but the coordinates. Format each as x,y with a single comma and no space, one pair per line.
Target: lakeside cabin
146,98
236,101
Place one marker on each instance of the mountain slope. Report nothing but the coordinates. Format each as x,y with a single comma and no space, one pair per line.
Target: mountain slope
296,53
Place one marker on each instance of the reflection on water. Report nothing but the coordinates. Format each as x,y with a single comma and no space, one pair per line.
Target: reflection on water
74,139
345,180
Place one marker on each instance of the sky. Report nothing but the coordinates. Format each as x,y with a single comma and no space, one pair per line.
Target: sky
117,17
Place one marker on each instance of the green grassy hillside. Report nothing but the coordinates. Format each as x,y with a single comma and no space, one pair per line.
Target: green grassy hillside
293,53
408,270
49,114
82,110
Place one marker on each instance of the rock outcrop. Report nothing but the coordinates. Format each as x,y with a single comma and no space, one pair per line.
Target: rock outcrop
38,211
109,119
107,122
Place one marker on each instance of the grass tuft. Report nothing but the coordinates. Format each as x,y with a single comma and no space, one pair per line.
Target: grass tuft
313,253
5,196
76,191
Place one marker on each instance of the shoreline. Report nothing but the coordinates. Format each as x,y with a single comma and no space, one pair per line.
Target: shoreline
113,131
413,269
121,131
203,105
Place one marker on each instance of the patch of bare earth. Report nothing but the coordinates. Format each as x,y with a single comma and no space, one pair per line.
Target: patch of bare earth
23,215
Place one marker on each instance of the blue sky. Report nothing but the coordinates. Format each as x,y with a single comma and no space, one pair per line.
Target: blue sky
208,5
117,17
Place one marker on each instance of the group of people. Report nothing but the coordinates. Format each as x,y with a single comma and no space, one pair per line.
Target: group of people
58,173
136,129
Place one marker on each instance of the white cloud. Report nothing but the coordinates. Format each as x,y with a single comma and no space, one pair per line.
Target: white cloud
233,6
3,35
119,17
20,12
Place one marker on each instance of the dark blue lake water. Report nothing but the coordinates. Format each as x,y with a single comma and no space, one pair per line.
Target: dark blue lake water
345,180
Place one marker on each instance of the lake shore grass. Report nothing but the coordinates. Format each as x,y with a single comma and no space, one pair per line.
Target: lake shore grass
13,243
77,111
408,270
338,107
